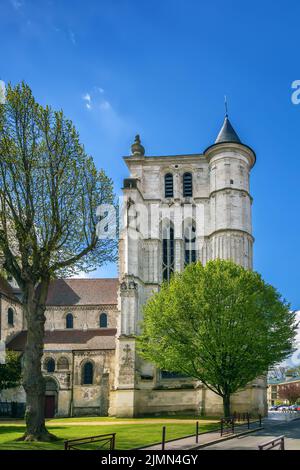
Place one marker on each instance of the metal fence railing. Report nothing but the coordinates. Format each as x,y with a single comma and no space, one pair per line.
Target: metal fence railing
11,409
238,422
103,442
232,423
273,444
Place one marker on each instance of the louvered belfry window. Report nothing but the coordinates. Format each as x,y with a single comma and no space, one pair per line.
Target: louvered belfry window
187,185
169,191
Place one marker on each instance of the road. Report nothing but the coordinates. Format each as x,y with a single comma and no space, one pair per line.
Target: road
272,428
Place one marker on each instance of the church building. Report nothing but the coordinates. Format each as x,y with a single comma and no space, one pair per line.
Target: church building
177,209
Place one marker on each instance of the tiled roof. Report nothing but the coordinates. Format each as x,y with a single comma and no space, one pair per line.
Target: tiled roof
6,289
70,339
83,292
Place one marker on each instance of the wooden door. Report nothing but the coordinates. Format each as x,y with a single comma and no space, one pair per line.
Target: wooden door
49,406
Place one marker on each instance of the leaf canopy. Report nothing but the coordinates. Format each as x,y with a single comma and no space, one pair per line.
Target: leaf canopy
49,192
221,324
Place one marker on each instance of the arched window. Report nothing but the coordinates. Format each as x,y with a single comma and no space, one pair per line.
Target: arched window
87,373
62,363
189,244
50,365
103,320
10,316
169,192
168,253
187,185
69,320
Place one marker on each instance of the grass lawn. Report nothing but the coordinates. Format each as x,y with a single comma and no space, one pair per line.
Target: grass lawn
128,436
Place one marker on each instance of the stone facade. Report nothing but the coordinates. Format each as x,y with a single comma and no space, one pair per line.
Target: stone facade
216,207
68,347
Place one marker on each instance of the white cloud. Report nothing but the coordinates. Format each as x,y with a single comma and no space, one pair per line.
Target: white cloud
17,4
105,105
87,97
111,121
72,37
88,100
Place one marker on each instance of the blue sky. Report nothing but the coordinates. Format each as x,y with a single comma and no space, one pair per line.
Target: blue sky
161,68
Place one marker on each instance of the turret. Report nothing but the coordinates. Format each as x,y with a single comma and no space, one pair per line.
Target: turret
230,163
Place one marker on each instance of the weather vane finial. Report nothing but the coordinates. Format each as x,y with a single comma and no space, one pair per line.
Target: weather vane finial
226,106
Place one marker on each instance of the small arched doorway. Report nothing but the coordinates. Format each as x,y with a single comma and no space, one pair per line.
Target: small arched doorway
51,396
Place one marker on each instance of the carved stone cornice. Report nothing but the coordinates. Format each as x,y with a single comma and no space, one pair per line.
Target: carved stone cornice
231,231
229,189
82,307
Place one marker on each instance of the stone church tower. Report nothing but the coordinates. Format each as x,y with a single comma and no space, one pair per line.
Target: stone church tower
178,209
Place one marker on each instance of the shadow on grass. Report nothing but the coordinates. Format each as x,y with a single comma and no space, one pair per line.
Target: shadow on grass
127,435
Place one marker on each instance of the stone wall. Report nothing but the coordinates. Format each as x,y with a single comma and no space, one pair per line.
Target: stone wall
8,331
220,209
83,316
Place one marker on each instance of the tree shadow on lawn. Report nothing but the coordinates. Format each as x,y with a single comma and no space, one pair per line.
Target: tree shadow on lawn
10,440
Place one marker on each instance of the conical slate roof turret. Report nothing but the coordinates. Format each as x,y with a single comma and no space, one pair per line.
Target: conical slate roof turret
227,133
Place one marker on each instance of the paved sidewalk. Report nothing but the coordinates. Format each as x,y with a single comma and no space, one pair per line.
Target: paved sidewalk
290,428
205,438
275,425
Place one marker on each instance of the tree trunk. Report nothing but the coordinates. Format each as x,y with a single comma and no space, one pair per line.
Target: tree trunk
226,405
33,381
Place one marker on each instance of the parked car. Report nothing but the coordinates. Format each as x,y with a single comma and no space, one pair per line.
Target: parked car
283,408
294,407
273,408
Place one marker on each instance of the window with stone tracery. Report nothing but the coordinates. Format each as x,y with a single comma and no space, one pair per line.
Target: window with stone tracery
168,253
189,244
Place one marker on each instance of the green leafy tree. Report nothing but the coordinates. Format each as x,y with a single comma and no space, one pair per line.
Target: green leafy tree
49,193
10,371
221,324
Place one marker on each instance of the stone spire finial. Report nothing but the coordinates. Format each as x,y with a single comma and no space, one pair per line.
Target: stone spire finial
137,149
226,106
